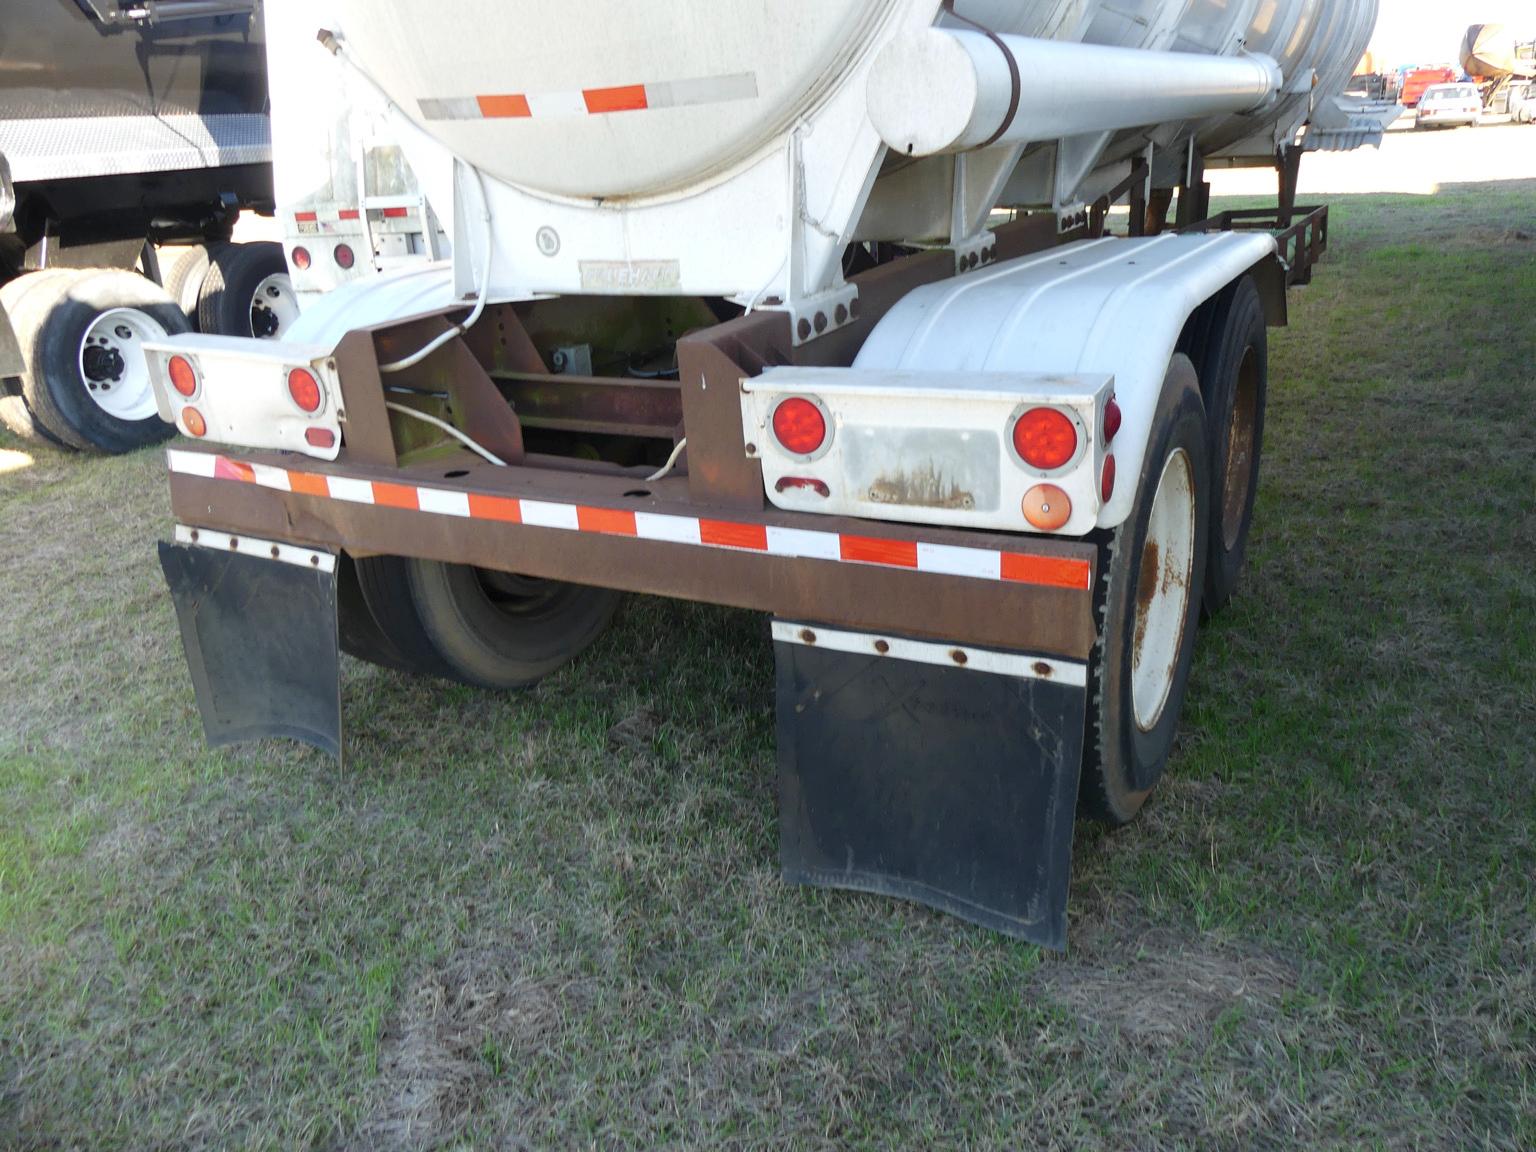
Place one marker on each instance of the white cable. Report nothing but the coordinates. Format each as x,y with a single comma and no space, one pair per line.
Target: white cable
338,48
451,430
671,460
468,322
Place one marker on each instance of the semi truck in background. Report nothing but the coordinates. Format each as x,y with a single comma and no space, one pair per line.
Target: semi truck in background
129,133
906,323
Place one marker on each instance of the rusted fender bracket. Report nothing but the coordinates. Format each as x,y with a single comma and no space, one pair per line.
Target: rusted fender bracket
260,639
986,588
952,785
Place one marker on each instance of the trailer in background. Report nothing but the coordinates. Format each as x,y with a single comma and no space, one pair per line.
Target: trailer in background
130,135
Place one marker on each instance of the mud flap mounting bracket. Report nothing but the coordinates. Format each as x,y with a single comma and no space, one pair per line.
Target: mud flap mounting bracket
943,775
258,624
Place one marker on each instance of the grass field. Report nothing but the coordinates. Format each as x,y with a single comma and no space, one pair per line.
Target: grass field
554,919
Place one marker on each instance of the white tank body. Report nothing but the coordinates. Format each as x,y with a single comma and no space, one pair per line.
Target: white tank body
621,132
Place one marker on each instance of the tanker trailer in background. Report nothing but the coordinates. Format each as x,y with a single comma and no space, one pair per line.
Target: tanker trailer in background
123,127
1492,57
824,310
347,200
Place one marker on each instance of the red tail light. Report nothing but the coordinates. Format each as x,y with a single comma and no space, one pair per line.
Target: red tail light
300,258
304,389
344,257
183,376
1045,438
1112,419
799,426
1107,480
319,437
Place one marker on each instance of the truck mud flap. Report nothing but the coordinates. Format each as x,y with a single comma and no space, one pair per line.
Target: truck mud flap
260,637
943,775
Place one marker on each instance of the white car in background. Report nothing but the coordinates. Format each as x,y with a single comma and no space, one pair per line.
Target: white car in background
1449,106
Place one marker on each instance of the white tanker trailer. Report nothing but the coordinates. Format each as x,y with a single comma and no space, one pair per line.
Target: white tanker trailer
732,315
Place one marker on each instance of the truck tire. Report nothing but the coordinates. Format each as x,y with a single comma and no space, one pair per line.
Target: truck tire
1150,611
497,630
81,331
247,292
1231,358
184,280
387,630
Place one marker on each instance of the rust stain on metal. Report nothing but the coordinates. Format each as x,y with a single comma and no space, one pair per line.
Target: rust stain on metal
807,636
925,487
958,656
1043,670
1146,588
882,647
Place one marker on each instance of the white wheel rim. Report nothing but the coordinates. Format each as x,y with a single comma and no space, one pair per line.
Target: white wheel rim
274,307
1163,589
112,365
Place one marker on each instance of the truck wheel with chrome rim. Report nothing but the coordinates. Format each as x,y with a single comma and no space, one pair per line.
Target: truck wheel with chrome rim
246,292
500,630
82,335
1150,587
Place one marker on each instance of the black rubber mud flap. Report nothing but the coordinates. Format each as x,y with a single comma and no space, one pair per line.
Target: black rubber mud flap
260,639
950,786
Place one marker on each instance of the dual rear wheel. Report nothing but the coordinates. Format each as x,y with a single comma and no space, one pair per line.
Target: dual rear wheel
1179,554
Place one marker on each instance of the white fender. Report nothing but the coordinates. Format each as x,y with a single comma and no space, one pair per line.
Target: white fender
1112,306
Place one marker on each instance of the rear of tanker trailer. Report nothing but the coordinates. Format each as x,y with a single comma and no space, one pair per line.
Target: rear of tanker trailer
732,316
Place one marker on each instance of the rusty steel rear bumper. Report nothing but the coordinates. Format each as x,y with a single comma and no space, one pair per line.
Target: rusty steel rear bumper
931,683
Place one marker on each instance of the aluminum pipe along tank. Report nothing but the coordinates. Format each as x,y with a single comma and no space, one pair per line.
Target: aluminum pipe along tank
936,90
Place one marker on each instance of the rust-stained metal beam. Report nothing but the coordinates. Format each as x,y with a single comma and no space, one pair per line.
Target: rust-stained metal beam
1005,614
618,405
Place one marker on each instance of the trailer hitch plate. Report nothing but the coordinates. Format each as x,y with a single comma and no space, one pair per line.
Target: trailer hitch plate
258,624
943,775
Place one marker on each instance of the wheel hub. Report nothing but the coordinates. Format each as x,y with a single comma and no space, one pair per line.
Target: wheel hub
1164,584
112,364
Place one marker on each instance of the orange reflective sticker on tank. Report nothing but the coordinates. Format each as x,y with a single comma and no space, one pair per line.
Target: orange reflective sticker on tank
511,106
626,98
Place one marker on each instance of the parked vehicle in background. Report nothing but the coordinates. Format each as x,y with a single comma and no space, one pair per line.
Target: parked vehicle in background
1522,103
1416,81
124,127
1450,106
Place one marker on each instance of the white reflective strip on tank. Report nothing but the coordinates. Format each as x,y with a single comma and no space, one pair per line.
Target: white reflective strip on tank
450,108
804,543
675,529
960,656
705,90
270,477
953,561
255,546
544,515
191,463
343,488
570,103
442,502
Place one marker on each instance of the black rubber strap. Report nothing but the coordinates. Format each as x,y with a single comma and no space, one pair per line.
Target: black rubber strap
1013,71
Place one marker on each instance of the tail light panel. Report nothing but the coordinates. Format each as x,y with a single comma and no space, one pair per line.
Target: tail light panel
934,447
250,393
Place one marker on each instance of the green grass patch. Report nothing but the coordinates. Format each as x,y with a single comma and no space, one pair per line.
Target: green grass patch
554,918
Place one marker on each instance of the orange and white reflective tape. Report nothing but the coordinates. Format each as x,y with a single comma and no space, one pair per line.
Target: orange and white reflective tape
699,531
592,101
